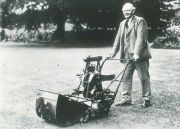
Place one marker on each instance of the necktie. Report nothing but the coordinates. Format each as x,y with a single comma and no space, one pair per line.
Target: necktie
126,23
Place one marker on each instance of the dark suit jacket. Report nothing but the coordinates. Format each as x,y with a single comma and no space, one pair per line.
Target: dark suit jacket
137,35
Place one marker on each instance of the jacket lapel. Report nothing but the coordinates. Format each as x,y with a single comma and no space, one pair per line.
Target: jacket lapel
122,29
131,25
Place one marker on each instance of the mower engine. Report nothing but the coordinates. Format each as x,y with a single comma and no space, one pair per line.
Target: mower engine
92,83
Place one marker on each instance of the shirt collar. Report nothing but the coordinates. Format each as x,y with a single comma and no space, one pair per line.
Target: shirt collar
130,19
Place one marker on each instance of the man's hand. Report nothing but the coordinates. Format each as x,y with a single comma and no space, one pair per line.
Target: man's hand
136,57
110,55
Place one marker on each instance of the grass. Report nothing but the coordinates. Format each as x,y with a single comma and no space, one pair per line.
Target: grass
24,69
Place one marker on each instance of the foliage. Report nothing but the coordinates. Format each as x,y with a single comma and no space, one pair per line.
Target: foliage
150,10
171,36
32,13
102,15
167,8
93,13
43,33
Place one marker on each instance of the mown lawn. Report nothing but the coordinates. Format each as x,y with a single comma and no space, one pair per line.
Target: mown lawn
26,68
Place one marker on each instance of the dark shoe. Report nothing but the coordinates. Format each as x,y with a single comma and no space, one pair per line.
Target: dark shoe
124,102
146,103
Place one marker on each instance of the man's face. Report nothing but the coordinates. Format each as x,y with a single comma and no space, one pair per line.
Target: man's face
128,11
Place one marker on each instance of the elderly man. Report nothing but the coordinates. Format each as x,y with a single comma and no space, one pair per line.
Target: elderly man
131,42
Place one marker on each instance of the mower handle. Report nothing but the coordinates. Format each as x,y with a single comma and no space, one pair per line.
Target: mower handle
109,58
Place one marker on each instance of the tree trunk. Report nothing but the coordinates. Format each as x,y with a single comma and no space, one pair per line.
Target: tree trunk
60,32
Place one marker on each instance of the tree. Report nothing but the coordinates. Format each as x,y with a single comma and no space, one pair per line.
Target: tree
32,13
99,15
167,8
93,13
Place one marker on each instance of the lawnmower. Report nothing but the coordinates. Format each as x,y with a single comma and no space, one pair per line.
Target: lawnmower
89,100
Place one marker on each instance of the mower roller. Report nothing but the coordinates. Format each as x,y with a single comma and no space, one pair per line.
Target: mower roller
89,100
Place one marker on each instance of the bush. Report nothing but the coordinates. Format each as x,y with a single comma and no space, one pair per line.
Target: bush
43,33
170,37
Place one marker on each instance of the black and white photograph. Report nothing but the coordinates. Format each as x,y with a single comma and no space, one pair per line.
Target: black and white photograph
90,64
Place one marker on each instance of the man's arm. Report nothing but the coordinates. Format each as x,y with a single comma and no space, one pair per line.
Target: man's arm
141,38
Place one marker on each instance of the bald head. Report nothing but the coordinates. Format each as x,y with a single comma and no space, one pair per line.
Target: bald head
128,10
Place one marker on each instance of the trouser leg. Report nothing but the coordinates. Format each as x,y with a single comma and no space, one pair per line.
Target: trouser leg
142,68
127,80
